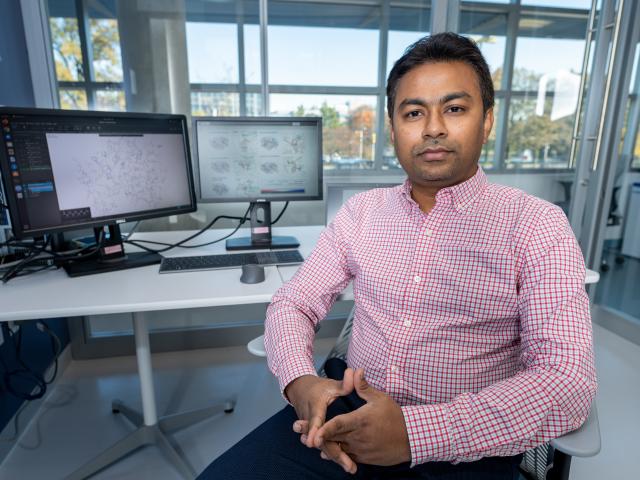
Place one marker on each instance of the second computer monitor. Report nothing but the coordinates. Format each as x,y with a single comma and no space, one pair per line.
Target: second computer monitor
258,160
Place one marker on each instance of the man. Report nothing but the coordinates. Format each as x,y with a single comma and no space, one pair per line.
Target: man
471,338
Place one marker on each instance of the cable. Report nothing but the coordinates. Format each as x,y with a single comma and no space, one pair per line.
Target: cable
281,213
4,206
169,246
25,373
56,347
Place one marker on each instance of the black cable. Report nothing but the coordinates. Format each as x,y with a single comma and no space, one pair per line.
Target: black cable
56,348
31,255
169,246
281,213
25,373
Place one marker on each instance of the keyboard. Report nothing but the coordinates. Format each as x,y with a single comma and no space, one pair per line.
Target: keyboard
229,260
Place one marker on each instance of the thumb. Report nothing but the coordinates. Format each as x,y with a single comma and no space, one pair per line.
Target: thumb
363,389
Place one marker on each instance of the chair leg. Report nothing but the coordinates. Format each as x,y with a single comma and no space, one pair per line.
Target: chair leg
561,466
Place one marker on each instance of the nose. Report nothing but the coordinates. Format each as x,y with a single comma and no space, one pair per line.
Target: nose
434,126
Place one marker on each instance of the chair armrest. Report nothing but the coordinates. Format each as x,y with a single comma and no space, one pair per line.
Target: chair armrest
583,442
256,347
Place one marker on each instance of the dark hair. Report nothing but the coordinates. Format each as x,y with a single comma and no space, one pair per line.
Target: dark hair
441,47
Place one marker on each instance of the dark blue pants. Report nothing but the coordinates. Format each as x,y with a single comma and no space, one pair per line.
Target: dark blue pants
273,452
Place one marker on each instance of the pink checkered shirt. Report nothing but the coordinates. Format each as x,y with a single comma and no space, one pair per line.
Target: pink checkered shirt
473,317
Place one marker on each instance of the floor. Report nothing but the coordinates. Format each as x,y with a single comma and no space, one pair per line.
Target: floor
76,422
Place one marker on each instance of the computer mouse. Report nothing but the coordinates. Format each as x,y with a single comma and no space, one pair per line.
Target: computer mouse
252,273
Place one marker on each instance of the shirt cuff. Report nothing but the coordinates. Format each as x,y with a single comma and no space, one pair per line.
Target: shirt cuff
429,435
292,369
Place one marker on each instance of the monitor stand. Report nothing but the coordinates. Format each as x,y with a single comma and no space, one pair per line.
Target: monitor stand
111,256
261,238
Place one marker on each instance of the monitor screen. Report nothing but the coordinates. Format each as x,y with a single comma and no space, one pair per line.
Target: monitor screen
66,170
258,158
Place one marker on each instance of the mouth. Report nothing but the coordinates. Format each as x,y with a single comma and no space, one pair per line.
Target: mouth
434,154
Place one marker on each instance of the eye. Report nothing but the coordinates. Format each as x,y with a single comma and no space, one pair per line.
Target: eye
455,109
413,114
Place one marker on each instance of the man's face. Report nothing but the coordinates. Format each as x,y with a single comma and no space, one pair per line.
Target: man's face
438,123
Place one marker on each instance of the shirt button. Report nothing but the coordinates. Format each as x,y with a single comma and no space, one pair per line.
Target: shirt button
393,368
407,323
428,232
417,279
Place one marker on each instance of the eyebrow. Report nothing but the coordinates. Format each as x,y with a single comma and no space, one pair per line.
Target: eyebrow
442,100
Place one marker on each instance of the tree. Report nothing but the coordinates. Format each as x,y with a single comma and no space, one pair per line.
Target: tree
66,49
330,116
105,41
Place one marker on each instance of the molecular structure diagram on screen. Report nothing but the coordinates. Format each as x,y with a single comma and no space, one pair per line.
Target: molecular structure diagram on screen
269,143
269,168
219,143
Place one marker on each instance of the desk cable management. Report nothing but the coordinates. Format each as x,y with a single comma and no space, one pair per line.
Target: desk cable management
24,374
37,254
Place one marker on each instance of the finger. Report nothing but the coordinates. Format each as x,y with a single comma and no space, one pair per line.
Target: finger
363,389
315,422
301,426
346,386
303,439
333,452
337,426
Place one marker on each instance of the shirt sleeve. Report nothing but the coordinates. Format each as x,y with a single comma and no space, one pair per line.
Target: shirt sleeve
553,392
300,304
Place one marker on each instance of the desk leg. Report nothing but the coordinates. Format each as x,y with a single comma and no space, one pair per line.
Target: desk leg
150,430
145,371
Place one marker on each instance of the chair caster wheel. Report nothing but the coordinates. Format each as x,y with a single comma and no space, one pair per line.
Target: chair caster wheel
228,410
229,407
115,410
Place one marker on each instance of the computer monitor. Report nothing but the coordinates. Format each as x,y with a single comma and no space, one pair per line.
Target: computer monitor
258,160
69,170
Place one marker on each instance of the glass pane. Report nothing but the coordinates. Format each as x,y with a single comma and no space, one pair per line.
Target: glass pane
586,4
67,54
212,51
533,71
348,124
73,99
488,30
323,44
636,152
406,26
537,136
215,104
488,160
254,104
110,100
252,54
105,44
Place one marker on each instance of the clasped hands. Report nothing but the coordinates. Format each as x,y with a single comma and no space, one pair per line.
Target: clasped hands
375,433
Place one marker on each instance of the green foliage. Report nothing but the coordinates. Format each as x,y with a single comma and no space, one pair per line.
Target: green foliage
67,54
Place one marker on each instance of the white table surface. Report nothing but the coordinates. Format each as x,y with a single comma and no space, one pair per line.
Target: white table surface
53,294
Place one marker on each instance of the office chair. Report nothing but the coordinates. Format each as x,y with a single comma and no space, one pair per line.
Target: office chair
551,461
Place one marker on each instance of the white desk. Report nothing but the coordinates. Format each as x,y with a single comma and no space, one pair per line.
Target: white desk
53,294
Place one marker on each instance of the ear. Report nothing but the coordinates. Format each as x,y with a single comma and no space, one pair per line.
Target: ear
488,123
392,134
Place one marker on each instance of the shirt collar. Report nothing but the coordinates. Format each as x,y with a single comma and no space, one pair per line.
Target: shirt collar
460,195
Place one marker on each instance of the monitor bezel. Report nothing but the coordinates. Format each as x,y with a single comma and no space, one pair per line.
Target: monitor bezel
20,233
262,120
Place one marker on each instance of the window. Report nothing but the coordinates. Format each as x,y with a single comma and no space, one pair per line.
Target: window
328,58
86,49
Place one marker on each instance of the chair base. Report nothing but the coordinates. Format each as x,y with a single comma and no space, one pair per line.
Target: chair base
150,435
